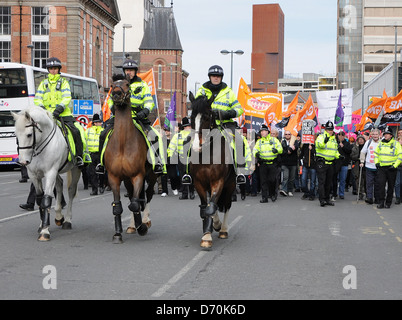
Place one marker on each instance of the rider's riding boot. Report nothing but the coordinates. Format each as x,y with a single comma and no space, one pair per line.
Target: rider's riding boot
186,179
100,169
158,169
240,179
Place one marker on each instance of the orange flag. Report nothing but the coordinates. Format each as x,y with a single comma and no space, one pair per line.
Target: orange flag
364,120
307,113
274,113
106,112
374,109
393,103
291,107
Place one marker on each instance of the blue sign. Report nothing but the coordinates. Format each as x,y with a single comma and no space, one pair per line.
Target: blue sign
83,107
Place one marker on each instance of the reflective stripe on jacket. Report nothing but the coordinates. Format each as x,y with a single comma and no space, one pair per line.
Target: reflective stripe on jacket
388,153
328,151
264,148
92,138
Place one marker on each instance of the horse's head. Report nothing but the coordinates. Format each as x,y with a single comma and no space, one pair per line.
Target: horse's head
202,118
120,91
29,127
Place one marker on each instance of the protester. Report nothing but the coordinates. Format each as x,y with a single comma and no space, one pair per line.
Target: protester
288,164
345,150
358,172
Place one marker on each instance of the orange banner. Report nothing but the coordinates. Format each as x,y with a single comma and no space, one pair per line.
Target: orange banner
393,103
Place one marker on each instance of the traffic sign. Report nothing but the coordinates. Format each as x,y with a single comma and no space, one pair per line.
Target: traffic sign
83,107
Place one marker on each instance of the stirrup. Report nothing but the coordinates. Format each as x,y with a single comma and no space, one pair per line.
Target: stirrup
79,162
186,179
240,179
100,169
158,169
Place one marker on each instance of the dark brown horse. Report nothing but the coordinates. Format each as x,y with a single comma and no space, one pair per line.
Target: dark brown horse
213,172
126,160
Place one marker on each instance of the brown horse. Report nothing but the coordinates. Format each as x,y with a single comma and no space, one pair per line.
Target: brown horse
126,160
213,174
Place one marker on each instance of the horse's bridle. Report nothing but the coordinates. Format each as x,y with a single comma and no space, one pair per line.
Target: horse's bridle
37,150
124,96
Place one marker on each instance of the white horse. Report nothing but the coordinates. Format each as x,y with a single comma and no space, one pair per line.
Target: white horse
43,149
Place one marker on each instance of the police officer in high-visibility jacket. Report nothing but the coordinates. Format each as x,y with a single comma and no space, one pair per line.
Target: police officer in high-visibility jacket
54,95
142,104
326,148
177,153
92,137
387,158
266,151
225,106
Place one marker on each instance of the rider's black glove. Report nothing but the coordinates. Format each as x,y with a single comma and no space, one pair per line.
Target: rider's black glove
274,150
142,114
58,111
224,115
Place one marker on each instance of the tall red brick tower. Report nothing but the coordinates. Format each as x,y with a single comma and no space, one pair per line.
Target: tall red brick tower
267,57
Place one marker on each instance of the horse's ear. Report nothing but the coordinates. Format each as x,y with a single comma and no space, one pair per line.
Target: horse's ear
27,115
15,115
191,97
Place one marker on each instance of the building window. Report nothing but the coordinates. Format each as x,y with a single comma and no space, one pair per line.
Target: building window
5,51
5,20
40,21
159,76
166,105
41,54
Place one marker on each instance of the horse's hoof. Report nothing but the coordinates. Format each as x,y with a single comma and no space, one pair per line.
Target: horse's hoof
131,230
67,226
223,235
44,237
142,229
60,222
206,244
117,238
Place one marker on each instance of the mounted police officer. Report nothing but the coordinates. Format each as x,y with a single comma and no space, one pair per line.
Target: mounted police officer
226,107
54,95
326,148
387,158
266,151
142,104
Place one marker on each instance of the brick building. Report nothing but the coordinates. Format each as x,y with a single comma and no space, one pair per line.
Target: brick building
161,50
267,57
78,32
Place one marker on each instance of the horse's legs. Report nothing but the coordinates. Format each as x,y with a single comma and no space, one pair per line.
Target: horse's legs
73,178
135,206
207,220
59,192
114,183
223,233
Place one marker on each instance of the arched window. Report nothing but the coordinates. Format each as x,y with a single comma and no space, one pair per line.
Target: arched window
159,76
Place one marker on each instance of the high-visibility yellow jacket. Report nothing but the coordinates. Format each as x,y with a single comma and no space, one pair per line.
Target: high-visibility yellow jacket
53,91
140,98
225,101
264,148
388,153
328,151
92,138
177,143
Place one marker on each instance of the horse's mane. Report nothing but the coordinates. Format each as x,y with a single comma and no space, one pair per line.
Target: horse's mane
117,77
200,105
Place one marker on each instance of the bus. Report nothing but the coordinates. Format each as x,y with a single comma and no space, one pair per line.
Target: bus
18,83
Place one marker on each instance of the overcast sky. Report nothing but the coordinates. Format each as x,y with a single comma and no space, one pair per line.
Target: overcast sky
209,26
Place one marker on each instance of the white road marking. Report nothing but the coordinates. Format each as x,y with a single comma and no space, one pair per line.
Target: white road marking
186,268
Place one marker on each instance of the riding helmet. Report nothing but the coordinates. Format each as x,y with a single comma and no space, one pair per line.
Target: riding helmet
329,125
130,64
53,62
215,71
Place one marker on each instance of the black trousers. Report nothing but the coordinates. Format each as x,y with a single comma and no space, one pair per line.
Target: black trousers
96,180
386,179
325,175
32,195
173,176
268,179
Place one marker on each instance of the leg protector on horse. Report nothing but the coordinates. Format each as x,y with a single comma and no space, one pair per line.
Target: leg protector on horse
117,208
135,205
211,209
207,223
39,198
46,202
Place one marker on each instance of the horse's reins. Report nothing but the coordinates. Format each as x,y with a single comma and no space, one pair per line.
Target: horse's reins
42,145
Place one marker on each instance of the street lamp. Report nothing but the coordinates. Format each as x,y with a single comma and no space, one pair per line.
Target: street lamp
238,52
252,70
362,90
271,83
125,26
31,46
171,78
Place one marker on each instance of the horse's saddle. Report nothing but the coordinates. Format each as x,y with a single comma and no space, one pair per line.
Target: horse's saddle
68,134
